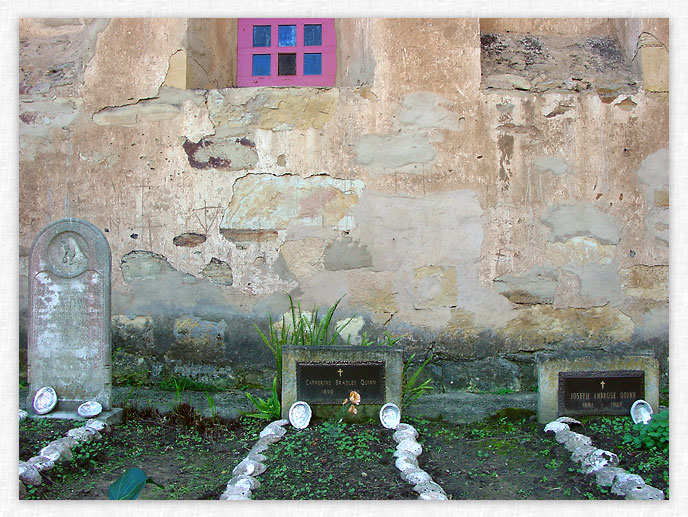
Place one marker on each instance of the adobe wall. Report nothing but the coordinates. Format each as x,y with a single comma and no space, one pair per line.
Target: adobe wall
485,213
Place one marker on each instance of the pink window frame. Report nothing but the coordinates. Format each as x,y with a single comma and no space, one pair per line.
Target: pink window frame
245,51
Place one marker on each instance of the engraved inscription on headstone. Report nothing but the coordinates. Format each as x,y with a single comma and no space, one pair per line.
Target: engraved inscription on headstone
323,376
331,383
600,392
69,345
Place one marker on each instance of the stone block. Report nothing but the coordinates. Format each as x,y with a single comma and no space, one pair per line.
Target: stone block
230,154
69,340
662,198
219,272
489,374
143,265
550,403
582,220
537,286
649,282
176,72
390,151
344,253
272,108
198,341
326,393
267,203
654,65
434,286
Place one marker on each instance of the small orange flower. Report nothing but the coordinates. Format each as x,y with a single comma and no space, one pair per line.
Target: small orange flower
355,398
352,409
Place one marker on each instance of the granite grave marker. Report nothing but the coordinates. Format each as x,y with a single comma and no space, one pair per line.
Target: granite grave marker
594,383
324,376
69,347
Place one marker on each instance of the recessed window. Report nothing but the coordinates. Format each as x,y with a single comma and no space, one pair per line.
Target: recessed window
286,35
261,64
286,64
312,64
312,34
261,35
286,52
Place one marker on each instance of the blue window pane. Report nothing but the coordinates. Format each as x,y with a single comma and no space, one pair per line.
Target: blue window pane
312,64
261,35
312,34
286,35
261,64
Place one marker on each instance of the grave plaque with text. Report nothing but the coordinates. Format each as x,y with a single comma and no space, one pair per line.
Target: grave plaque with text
600,392
69,346
331,383
324,376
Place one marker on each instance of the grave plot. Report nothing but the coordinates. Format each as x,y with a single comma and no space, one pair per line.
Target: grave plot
504,457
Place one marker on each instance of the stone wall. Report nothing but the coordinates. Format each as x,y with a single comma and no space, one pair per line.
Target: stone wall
455,187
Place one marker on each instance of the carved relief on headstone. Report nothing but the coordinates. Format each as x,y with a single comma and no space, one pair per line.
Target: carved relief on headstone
69,346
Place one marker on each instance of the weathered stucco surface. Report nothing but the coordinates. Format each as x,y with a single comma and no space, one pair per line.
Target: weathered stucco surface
451,187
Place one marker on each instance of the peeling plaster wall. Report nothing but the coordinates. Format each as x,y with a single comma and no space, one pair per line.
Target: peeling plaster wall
487,219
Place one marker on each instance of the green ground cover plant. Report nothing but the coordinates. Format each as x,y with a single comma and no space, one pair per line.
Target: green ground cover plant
507,456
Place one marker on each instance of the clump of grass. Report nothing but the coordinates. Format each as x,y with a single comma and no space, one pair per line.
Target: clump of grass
268,409
410,389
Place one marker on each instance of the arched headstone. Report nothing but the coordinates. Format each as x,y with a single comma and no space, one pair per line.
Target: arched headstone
69,347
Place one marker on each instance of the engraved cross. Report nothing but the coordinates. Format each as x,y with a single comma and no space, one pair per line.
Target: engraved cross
340,371
602,384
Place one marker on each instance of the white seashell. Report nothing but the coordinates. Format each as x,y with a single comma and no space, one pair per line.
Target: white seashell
248,468
625,482
641,411
399,436
599,459
28,474
606,475
411,446
563,436
645,493
244,468
576,440
415,476
582,452
432,496
404,464
56,452
269,438
96,435
238,497
390,416
406,427
22,414
428,486
568,420
258,448
256,456
236,494
65,441
41,463
80,434
89,409
45,400
300,414
280,423
273,430
244,481
98,425
556,427
405,454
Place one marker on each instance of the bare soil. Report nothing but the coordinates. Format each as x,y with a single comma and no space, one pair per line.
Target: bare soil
504,457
